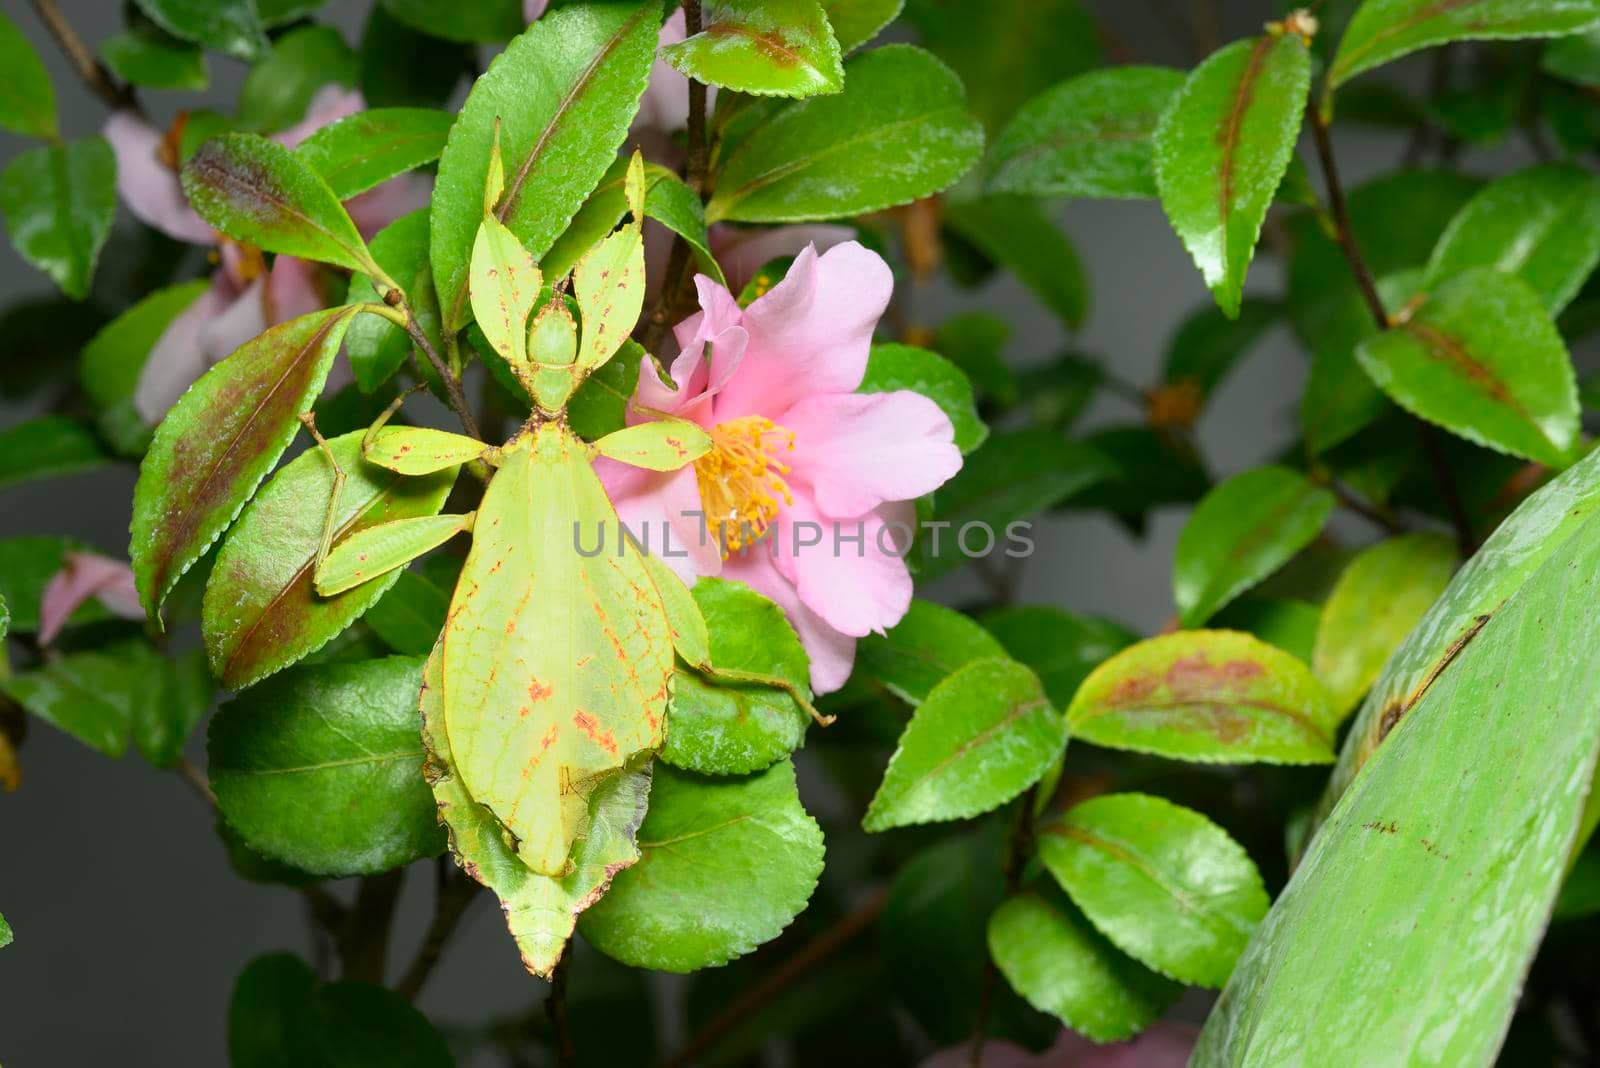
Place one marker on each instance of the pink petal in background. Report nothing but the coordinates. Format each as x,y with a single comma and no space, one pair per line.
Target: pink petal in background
82,576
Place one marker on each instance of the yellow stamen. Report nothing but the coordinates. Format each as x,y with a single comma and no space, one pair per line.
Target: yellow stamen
741,480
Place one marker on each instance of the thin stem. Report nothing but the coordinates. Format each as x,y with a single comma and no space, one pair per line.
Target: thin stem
363,939
555,1007
697,108
757,997
1466,540
195,779
453,893
452,382
1349,501
91,70
1018,844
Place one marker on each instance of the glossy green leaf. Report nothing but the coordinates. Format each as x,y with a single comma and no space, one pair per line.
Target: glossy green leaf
1541,224
717,728
320,768
6,937
1575,58
1385,30
220,440
94,696
893,366
762,47
148,56
375,346
1340,398
1051,955
563,94
58,202
481,20
1453,839
1010,478
1163,883
596,698
409,617
364,150
5,617
257,191
1481,358
1211,696
47,446
1378,599
228,26
163,722
27,99
1088,137
979,738
278,91
981,42
261,611
1015,232
599,406
1241,532
673,910
929,644
855,22
1222,147
899,131
670,202
1060,647
404,67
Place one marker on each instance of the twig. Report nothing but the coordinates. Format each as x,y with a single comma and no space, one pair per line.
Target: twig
1353,503
452,895
1018,845
780,979
363,939
555,1007
195,779
91,70
452,383
1466,540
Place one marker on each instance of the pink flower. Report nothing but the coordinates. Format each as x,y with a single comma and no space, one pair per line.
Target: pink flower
808,490
245,297
1165,1045
82,576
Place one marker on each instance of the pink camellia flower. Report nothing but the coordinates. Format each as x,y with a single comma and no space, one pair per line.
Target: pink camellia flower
245,296
806,496
1164,1045
82,576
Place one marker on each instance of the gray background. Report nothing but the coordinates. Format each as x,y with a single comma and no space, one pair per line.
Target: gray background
131,925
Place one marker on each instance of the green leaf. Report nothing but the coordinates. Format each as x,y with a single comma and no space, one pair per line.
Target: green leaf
980,738
1057,393
1211,696
46,446
228,26
1541,224
1015,232
670,202
278,91
1222,147
403,67
974,342
1051,955
1575,57
930,643
1481,358
1385,30
481,20
1465,817
1340,399
1060,647
763,47
410,616
26,566
27,99
673,911
257,191
267,998
1241,532
6,937
893,366
261,611
58,203
719,729
364,150
280,12
1378,599
1088,137
212,450
5,617
1163,883
377,347
320,768
1286,622
899,131
1012,476
1001,71
599,405
93,696
563,94
855,22
162,724
1208,344
148,56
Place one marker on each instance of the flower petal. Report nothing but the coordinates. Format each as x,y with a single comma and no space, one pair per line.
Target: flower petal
857,451
847,570
178,358
332,103
832,654
663,513
532,9
665,104
377,208
742,251
148,186
811,333
82,576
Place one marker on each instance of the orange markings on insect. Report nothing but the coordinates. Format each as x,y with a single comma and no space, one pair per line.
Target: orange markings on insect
597,734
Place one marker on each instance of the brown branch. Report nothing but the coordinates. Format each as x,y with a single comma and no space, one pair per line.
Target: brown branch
1348,500
363,939
196,780
452,384
780,979
453,893
555,1007
90,69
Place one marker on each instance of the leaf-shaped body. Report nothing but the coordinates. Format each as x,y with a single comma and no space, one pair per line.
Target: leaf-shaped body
556,664
1221,149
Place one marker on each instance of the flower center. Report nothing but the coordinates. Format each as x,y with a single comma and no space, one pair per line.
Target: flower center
741,479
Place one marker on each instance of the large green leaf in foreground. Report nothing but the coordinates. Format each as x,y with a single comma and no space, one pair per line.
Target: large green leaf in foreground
1435,875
